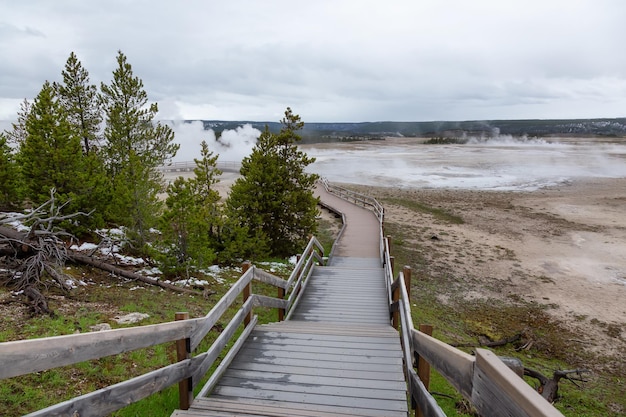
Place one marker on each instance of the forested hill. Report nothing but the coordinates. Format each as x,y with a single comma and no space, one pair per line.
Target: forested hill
322,132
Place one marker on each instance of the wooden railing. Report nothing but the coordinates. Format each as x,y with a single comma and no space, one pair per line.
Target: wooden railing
34,355
484,380
188,166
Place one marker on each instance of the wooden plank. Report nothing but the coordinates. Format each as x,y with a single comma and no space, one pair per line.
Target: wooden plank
114,397
363,330
218,346
291,409
320,399
228,359
323,340
498,391
26,356
330,381
359,373
425,402
455,365
222,305
343,391
281,361
308,356
266,277
364,350
325,318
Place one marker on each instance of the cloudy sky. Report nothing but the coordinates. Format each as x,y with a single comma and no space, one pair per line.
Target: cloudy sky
331,60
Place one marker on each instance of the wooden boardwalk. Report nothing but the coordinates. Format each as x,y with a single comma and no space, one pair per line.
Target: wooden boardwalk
335,355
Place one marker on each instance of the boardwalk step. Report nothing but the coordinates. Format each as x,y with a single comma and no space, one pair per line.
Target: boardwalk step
256,407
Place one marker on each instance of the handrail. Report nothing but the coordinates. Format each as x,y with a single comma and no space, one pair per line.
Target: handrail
484,380
34,355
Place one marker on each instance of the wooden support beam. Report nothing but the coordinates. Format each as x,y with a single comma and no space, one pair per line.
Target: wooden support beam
281,311
247,291
183,352
423,367
406,271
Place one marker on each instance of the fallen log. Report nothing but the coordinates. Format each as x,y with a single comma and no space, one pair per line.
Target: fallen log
86,260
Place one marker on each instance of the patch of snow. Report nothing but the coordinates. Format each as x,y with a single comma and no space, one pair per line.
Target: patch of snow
86,246
136,288
150,271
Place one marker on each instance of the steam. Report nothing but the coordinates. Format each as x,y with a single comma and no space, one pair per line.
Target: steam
232,146
498,163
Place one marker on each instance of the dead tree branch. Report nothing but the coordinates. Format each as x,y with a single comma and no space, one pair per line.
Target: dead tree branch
549,387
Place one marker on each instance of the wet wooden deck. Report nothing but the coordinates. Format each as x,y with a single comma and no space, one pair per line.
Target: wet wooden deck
336,355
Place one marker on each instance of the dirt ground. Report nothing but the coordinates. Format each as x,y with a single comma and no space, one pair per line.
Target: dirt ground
564,247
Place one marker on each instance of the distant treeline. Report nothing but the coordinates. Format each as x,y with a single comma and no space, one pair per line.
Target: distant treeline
334,132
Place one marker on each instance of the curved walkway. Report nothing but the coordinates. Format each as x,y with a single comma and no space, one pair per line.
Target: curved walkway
335,355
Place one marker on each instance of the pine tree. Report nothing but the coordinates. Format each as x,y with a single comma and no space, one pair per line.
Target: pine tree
191,221
9,180
80,100
18,134
135,147
50,156
273,199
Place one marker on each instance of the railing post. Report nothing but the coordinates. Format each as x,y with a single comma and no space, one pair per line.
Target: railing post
281,311
423,367
183,352
395,298
247,291
406,271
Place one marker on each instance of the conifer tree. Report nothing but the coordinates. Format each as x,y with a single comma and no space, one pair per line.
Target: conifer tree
273,199
17,135
135,147
190,223
50,156
80,101
9,190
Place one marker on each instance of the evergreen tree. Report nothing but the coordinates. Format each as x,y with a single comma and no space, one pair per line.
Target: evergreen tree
80,100
18,134
273,199
135,147
190,223
50,156
9,191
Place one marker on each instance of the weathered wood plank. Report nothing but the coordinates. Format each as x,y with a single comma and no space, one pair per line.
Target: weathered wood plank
364,350
114,397
216,348
334,400
222,305
305,388
327,357
383,375
266,277
332,381
456,366
498,391
291,409
26,356
281,361
422,397
326,341
228,359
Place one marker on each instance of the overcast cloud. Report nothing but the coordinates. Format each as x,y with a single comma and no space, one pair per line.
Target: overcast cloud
331,60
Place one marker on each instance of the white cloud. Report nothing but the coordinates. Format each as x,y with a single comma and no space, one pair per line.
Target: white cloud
333,61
